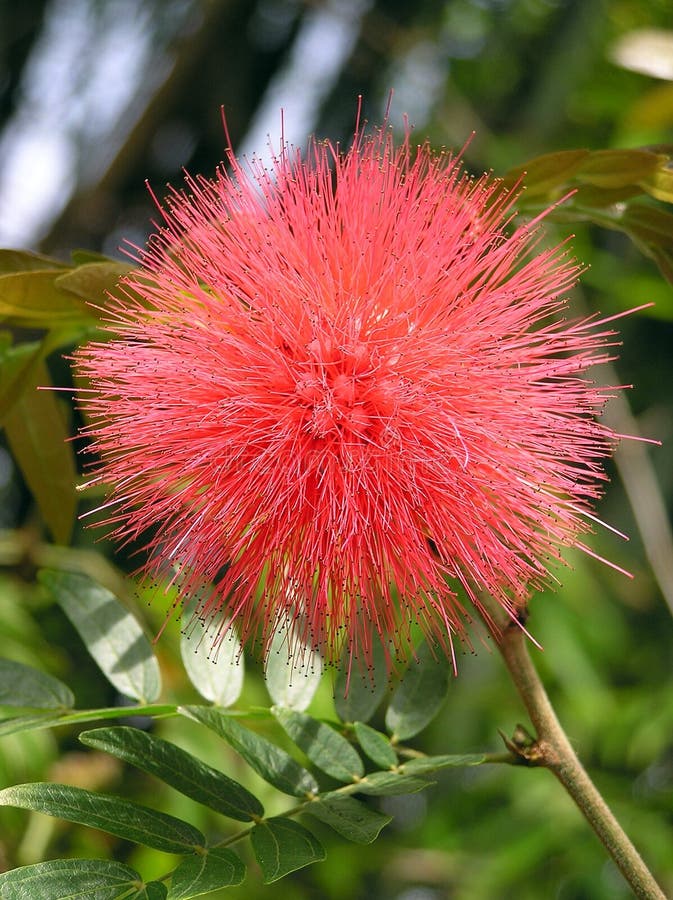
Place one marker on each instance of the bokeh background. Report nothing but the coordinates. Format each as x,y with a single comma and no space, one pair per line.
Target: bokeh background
96,96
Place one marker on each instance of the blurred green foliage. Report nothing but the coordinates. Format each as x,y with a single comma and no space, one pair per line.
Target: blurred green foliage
529,77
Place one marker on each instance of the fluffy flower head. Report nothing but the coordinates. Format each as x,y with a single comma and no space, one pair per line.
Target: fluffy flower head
343,393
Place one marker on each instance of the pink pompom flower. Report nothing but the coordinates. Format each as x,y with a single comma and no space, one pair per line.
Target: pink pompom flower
343,393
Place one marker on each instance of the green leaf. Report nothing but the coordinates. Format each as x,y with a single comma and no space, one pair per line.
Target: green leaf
357,693
81,256
19,365
292,672
650,230
419,695
617,168
122,818
29,723
38,438
376,745
24,686
111,634
588,195
94,280
390,784
325,747
282,846
178,768
664,260
545,172
216,674
26,261
204,872
659,184
32,300
70,879
649,224
349,818
421,764
153,890
269,761
16,365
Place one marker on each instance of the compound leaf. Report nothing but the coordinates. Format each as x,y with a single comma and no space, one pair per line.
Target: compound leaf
376,745
349,817
71,879
112,814
178,768
282,846
204,872
325,747
272,763
422,764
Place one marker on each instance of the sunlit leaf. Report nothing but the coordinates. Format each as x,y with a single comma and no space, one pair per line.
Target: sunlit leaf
291,671
589,195
325,747
272,763
204,872
617,168
111,814
282,846
26,261
82,256
545,172
32,300
111,634
659,184
38,438
376,745
93,280
604,181
71,879
349,817
22,685
214,666
178,768
419,695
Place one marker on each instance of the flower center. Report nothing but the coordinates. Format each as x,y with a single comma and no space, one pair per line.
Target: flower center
344,393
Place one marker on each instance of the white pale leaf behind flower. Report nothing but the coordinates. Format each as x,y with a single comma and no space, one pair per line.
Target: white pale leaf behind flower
215,669
292,671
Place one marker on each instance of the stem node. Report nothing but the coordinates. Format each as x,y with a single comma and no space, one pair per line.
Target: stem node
552,750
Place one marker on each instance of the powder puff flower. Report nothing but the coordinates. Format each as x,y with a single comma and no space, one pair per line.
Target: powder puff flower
343,393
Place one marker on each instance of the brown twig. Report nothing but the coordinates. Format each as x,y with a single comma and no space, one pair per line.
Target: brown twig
551,749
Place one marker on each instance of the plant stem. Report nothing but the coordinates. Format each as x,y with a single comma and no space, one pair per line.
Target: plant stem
553,750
